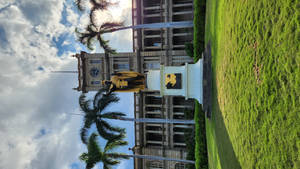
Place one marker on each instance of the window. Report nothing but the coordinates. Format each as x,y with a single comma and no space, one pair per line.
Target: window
153,100
155,65
153,109
95,82
154,137
179,166
94,72
95,61
154,164
124,66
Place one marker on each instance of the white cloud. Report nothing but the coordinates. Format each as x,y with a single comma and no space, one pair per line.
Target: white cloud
5,3
26,111
72,17
32,100
35,131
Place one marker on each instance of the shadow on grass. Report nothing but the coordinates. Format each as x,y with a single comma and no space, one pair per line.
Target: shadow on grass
226,153
227,156
220,149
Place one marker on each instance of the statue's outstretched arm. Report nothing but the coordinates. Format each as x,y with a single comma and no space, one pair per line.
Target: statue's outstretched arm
116,74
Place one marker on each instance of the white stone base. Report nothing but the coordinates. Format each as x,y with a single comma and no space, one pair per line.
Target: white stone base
194,81
191,74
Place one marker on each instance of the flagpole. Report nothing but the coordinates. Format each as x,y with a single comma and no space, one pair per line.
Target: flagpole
65,71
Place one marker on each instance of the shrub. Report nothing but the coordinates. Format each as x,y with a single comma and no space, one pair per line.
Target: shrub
189,49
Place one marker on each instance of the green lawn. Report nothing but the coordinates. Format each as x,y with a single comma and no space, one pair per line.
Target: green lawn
256,73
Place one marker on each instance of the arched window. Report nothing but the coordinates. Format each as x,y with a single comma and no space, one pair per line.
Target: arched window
154,165
180,166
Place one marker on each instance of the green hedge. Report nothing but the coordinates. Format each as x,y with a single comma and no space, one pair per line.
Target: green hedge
199,28
189,136
189,49
200,138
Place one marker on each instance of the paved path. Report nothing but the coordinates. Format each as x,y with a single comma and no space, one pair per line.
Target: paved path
207,81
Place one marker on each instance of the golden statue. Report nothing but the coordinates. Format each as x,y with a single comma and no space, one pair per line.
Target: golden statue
125,82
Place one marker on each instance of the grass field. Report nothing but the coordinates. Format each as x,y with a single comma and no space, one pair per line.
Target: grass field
256,67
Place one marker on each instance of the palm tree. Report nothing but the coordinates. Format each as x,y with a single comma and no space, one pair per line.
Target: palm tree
96,116
96,5
93,33
93,116
95,154
103,127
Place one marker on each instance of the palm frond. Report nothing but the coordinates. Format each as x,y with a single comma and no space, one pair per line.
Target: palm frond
84,130
93,145
98,96
110,145
83,157
93,17
111,25
82,99
108,127
106,25
81,36
85,106
94,152
112,115
91,28
106,166
117,155
103,132
79,5
90,42
111,161
102,4
87,37
106,100
104,44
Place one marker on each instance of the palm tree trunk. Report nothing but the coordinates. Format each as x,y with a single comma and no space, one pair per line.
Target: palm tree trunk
181,24
149,157
156,120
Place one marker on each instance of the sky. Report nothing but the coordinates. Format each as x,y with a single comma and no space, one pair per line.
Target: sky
37,129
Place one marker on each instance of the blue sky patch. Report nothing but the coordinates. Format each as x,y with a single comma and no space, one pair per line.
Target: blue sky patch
61,46
75,166
63,19
40,68
41,133
3,39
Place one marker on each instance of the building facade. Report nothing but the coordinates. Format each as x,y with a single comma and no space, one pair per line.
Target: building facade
154,47
151,48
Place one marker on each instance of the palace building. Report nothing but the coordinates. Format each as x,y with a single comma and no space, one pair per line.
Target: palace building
151,48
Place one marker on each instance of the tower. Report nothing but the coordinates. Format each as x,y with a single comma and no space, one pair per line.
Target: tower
91,71
95,67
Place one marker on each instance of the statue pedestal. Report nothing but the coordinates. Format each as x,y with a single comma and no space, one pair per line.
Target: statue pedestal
178,80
